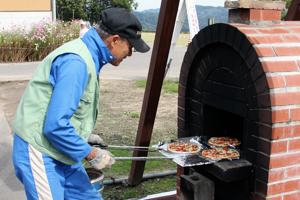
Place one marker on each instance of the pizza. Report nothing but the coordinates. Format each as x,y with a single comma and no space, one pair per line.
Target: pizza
183,147
220,153
223,141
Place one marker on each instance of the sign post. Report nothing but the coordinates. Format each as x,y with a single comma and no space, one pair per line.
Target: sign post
187,9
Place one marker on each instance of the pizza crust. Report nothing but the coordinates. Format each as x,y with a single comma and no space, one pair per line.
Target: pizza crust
220,153
223,141
183,147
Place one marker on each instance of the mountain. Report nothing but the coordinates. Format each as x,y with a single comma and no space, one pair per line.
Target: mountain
149,18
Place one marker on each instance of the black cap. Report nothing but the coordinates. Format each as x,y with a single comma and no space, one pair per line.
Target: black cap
122,22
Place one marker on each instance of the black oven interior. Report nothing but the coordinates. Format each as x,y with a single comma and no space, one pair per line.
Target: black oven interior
219,122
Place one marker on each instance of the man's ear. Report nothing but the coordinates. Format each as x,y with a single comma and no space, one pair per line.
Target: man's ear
115,39
112,40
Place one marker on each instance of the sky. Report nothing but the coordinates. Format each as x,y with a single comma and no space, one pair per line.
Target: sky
150,4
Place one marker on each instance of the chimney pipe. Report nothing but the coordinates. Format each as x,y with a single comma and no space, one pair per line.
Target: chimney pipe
254,11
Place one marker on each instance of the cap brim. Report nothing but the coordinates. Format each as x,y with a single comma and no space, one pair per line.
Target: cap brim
139,45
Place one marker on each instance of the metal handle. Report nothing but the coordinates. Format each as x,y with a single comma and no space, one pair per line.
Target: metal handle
143,158
138,148
130,147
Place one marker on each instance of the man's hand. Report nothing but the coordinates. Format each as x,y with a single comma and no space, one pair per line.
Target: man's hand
95,139
99,158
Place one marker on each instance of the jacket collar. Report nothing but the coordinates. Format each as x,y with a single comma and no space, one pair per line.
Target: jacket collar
99,51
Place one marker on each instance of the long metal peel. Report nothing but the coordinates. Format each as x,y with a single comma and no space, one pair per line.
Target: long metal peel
129,147
139,148
143,158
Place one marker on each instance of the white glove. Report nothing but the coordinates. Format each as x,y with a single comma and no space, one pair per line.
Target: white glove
96,139
102,159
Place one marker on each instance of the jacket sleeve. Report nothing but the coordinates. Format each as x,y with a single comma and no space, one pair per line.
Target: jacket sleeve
69,78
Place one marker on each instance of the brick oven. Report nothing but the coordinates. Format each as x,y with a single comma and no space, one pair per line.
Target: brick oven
243,80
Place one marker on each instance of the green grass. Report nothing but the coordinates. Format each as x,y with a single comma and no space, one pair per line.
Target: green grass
141,83
148,187
169,86
183,39
121,169
132,114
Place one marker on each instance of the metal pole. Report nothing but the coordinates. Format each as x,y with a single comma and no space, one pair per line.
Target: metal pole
211,21
143,158
53,6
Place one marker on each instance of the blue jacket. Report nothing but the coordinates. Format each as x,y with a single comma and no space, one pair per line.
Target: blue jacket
68,76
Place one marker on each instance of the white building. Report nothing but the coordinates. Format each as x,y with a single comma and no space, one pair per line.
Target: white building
23,13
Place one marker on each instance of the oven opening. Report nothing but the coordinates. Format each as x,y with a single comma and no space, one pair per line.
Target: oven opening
219,122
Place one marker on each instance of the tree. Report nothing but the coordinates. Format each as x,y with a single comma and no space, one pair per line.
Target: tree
89,9
287,6
128,4
94,7
71,9
288,3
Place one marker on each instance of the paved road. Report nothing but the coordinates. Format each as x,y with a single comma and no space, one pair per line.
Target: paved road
135,67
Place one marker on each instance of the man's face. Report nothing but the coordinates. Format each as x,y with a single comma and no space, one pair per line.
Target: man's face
120,48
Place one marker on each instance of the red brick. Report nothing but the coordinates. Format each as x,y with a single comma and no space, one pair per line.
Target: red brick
287,51
279,147
284,173
263,39
279,66
294,144
280,116
276,81
294,196
275,176
295,131
284,160
275,198
280,188
295,114
292,185
239,25
279,30
264,15
293,80
247,31
264,51
278,99
275,189
295,30
290,38
293,172
281,132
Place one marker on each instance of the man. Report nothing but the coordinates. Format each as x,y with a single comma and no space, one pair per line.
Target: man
84,27
58,110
